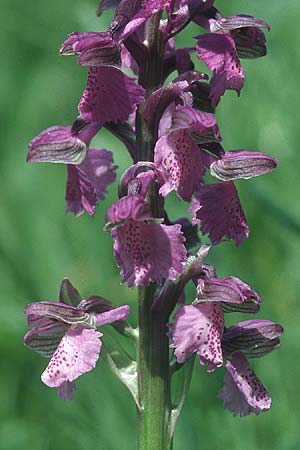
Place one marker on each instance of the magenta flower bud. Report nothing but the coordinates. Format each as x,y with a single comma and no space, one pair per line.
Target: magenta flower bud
242,164
129,207
254,338
160,99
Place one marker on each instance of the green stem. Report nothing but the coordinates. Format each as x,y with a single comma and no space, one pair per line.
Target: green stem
153,347
153,372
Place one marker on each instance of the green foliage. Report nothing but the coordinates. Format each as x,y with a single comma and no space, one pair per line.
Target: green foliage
40,245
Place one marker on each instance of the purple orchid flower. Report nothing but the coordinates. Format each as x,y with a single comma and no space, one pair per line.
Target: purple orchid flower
218,51
68,335
199,327
90,171
145,252
179,160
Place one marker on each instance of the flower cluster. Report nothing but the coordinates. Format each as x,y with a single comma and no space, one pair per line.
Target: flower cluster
199,328
185,154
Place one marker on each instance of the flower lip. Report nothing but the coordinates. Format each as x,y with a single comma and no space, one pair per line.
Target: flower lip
243,393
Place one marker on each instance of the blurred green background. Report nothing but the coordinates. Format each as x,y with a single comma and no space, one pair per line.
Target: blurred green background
39,244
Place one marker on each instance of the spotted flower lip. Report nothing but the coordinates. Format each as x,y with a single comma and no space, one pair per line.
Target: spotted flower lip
219,52
242,164
243,393
67,334
97,103
216,207
198,329
88,181
181,164
145,252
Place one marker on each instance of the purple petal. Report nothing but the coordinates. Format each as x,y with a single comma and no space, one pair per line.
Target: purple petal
110,96
95,49
230,289
246,291
113,315
76,354
254,338
95,304
242,164
250,43
199,328
87,182
188,118
218,52
218,210
129,207
179,161
58,311
187,10
148,252
236,22
243,393
57,145
45,338
128,61
142,179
